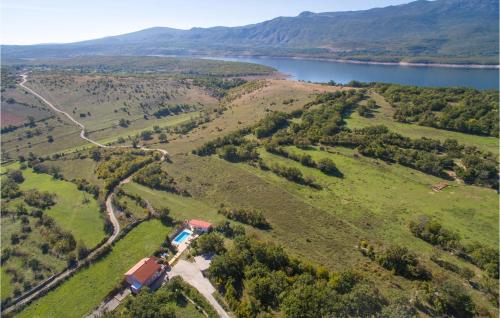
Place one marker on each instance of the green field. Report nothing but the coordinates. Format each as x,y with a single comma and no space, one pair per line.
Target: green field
181,208
87,288
71,213
383,116
6,289
27,249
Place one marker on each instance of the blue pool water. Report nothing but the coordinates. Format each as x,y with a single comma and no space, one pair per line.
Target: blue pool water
181,237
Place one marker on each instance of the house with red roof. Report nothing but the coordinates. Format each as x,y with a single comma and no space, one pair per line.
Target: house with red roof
199,226
146,271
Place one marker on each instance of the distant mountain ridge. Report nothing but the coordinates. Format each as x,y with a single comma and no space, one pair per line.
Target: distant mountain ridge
454,31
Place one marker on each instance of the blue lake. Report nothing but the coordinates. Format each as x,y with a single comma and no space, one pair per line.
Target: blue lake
324,71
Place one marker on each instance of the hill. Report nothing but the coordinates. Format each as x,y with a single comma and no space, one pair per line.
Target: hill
421,31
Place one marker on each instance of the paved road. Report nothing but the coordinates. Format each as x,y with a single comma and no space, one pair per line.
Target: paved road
109,206
191,273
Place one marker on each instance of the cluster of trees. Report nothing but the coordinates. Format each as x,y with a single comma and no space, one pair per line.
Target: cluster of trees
478,170
427,155
326,165
270,124
462,109
10,184
257,277
161,303
366,110
116,166
209,148
84,185
446,300
433,232
210,243
217,86
403,263
251,217
171,110
322,121
155,177
40,167
293,174
244,152
397,259
229,230
39,199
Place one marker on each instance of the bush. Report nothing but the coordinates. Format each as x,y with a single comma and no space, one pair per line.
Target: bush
327,166
251,217
16,176
210,243
39,199
403,263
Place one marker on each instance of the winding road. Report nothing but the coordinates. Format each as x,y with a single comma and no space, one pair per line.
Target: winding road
26,299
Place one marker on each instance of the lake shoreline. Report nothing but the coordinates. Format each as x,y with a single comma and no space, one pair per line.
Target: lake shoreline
410,64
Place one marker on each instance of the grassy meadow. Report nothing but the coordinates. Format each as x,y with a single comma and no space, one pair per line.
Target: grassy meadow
75,211
383,116
87,288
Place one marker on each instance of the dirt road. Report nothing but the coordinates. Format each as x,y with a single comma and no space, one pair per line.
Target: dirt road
24,299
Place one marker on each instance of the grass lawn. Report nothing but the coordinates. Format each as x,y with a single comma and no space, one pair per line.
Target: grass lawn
26,249
83,220
87,288
181,208
373,201
383,116
6,288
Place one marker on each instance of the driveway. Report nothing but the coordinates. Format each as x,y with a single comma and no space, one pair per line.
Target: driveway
191,273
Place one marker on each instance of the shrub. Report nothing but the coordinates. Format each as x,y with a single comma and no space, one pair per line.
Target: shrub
403,263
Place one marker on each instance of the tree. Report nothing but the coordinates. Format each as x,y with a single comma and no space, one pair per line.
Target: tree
82,250
163,138
164,215
146,135
210,243
135,142
123,123
327,166
50,138
16,175
95,154
31,121
402,262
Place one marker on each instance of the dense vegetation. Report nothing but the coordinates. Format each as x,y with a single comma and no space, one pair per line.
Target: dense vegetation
322,122
461,109
116,165
155,177
149,65
247,216
256,277
162,303
434,233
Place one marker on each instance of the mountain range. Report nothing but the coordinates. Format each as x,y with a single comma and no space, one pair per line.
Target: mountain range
444,31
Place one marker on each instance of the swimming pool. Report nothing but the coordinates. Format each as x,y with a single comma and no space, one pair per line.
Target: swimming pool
181,237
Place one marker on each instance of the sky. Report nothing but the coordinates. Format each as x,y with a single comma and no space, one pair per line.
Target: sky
61,21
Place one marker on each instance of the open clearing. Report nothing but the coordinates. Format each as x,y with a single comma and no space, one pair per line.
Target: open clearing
75,211
88,287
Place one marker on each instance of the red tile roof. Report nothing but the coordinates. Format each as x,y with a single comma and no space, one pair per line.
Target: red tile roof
144,270
199,223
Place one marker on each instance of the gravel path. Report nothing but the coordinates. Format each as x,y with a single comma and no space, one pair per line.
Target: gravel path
191,273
